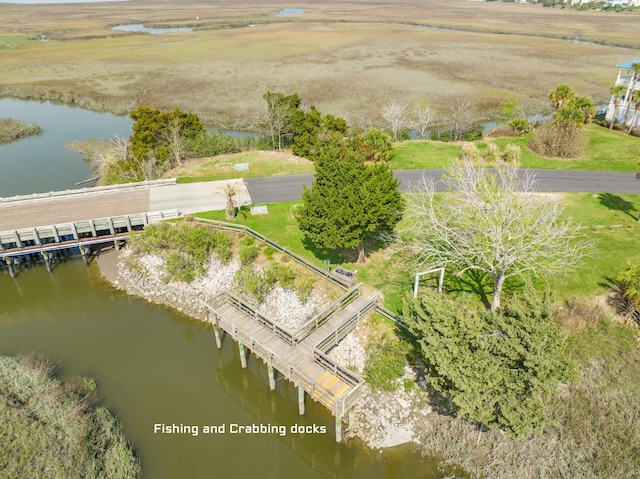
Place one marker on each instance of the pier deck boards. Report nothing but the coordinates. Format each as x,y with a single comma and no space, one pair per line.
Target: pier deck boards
334,387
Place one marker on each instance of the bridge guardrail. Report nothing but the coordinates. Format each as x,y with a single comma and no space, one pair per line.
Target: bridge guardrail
89,191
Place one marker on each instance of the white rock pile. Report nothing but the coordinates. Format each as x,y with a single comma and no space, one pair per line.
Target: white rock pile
144,276
284,307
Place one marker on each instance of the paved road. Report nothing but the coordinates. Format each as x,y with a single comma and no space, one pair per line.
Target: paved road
289,188
195,197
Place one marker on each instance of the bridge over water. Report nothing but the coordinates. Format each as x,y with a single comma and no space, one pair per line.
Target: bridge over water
49,223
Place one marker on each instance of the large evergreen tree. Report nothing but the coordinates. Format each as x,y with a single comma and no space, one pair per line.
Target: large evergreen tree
497,368
348,199
160,133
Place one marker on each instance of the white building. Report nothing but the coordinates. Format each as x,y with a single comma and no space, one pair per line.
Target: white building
628,78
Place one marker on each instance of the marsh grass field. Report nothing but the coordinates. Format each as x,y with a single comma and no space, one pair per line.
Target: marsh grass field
347,58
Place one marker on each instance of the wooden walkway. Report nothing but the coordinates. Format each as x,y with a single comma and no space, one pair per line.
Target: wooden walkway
306,363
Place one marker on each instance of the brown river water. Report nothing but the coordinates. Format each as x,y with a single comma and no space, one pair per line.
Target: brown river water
155,366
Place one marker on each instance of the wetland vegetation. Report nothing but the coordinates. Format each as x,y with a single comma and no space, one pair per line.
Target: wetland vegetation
12,130
51,429
347,58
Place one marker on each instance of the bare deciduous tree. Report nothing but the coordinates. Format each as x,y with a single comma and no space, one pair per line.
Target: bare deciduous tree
423,117
176,139
494,224
459,114
395,114
277,117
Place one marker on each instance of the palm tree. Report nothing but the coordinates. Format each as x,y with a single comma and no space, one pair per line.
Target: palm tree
629,280
635,97
588,108
562,96
634,81
230,190
616,91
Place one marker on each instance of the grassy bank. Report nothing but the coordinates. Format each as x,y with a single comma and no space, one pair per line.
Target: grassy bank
50,430
11,130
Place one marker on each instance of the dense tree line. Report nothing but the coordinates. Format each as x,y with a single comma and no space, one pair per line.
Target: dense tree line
291,124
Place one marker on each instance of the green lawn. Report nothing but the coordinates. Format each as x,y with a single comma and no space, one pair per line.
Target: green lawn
261,163
599,215
606,151
610,220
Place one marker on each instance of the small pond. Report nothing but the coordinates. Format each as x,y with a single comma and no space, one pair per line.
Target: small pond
139,27
287,12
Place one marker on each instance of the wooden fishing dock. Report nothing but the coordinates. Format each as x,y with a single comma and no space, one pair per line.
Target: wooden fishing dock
301,356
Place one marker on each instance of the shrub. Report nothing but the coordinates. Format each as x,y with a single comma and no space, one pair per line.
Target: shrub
284,274
211,143
497,368
438,135
248,254
511,153
521,125
556,141
179,267
304,287
492,154
254,283
386,358
470,152
473,134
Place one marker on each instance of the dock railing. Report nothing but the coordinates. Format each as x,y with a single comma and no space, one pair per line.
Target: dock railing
250,310
319,319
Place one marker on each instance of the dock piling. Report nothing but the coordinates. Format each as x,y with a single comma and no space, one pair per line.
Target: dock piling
216,331
12,270
301,400
243,355
47,260
272,377
84,252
